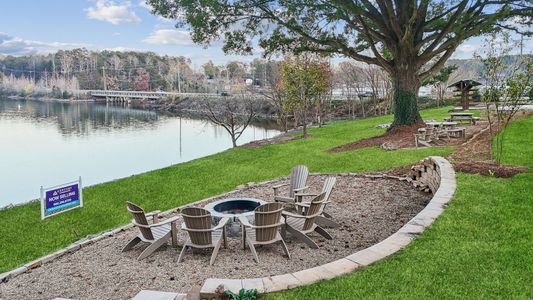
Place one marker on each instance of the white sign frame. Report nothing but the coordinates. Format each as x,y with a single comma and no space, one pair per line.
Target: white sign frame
43,198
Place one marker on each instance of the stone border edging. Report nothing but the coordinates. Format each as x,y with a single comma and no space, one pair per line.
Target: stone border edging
359,259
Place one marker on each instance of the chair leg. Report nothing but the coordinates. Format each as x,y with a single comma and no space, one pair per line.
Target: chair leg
243,238
285,249
131,243
154,246
181,253
224,237
323,221
323,232
302,237
252,248
215,252
284,231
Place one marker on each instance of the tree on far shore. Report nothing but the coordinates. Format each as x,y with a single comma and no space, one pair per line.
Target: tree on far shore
411,40
234,114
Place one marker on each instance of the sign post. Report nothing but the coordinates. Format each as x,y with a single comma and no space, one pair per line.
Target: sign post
61,198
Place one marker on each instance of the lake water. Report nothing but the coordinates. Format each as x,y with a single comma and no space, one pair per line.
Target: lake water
49,143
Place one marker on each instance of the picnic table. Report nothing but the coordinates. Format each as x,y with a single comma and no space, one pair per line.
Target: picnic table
444,124
462,116
437,130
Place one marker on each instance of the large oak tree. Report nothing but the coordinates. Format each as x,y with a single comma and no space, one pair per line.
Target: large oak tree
410,39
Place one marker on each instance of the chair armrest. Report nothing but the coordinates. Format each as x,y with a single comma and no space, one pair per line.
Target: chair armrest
244,221
283,199
301,189
303,204
155,212
153,215
276,187
306,195
292,215
169,220
280,186
221,224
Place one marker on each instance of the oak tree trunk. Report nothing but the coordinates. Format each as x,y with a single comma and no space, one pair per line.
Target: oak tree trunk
406,84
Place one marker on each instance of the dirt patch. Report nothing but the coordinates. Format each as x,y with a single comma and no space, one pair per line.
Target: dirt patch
401,136
368,211
489,168
474,155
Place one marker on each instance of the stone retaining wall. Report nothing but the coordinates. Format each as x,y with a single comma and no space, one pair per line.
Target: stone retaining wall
433,173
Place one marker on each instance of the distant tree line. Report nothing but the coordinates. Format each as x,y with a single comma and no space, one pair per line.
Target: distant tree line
81,69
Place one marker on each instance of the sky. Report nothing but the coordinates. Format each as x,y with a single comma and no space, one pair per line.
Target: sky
44,26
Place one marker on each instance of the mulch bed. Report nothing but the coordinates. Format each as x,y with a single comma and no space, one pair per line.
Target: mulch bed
399,135
489,168
368,211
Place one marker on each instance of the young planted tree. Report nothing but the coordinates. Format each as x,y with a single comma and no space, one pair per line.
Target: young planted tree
305,81
410,39
507,85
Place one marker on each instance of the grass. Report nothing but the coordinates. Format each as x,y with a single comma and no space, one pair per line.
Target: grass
24,237
480,248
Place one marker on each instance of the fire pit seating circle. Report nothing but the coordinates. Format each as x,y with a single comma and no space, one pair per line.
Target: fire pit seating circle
233,208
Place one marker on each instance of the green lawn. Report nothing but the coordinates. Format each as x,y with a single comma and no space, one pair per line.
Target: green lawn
23,237
481,247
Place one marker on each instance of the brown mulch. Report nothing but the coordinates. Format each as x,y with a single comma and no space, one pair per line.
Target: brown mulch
402,135
474,155
489,168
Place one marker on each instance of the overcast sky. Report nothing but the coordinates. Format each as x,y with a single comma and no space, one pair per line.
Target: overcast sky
44,26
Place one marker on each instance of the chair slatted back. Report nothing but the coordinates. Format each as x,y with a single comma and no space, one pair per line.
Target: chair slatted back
140,218
197,219
329,184
268,217
299,176
315,208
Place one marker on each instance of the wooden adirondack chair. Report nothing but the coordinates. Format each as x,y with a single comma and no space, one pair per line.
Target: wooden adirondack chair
265,229
299,225
297,183
324,219
156,234
197,222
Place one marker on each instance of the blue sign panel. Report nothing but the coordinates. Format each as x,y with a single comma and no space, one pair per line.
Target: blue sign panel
60,198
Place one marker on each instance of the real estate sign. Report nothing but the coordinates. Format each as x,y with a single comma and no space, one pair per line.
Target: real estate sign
61,198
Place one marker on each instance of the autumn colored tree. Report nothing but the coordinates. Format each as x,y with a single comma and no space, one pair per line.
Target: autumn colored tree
142,80
305,80
410,39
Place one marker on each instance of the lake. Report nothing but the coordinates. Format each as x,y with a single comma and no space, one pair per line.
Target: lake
49,143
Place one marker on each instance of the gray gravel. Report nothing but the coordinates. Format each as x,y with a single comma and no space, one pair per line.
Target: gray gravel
369,210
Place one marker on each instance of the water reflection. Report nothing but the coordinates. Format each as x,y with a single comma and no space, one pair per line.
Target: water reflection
79,118
47,143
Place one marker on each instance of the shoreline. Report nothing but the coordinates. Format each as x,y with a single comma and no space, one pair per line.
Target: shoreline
275,139
46,99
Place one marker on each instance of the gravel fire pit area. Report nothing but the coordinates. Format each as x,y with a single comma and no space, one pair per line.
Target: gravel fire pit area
367,209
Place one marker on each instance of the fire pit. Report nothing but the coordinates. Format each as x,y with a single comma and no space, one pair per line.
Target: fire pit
233,208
